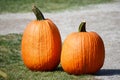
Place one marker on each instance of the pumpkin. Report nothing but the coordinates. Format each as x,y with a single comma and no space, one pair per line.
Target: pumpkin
41,44
82,52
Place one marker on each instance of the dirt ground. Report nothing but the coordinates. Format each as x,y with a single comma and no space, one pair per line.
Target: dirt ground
103,19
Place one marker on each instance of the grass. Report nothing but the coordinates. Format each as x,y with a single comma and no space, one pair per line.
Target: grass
14,6
12,67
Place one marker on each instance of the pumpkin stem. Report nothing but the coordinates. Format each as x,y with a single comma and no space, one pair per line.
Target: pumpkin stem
38,13
82,27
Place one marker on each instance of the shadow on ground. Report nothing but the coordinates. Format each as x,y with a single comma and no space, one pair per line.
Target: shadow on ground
59,69
102,72
108,72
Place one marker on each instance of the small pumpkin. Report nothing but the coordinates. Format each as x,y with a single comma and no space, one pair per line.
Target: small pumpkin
82,52
41,44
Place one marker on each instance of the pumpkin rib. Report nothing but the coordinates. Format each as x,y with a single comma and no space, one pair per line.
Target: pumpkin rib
55,30
46,28
80,70
89,59
96,56
88,43
83,57
39,47
86,51
52,38
40,29
75,57
92,51
95,51
35,45
49,44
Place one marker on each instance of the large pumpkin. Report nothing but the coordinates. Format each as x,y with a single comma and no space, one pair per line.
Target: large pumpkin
82,52
41,44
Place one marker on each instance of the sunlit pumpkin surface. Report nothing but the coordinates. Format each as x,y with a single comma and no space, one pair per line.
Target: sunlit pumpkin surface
41,45
82,53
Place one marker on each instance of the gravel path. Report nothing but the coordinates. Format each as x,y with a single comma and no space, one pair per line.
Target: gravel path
103,19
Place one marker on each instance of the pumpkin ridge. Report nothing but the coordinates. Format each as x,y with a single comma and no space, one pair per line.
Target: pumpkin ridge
46,42
97,42
93,51
89,60
85,51
84,57
78,65
33,44
50,40
39,53
37,44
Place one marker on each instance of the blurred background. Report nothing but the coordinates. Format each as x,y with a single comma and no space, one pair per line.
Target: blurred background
14,6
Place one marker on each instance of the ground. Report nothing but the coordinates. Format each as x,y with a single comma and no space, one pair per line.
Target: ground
103,19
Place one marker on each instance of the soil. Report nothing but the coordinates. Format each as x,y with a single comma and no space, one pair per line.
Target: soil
103,19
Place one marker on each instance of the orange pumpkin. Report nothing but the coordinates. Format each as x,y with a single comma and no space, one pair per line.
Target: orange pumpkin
41,44
82,52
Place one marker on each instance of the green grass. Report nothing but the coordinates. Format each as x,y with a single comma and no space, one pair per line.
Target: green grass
14,6
12,65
